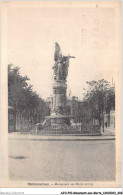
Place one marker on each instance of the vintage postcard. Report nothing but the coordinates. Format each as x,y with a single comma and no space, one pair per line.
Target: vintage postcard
61,94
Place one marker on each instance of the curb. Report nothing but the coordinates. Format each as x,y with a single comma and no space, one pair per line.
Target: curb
65,139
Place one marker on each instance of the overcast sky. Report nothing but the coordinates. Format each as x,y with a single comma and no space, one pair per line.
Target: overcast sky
86,33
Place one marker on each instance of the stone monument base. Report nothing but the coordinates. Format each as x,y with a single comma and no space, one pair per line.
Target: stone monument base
59,121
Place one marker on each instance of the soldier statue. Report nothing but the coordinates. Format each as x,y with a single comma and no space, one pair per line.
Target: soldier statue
61,64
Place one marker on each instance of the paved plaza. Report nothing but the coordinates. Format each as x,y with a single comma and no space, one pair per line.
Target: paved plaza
49,160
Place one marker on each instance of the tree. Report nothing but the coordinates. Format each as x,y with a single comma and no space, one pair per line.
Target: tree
100,97
26,102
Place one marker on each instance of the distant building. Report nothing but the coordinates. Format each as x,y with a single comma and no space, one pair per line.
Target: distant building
109,119
11,119
112,119
75,105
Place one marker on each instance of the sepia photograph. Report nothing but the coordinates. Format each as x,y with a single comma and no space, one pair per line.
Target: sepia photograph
61,94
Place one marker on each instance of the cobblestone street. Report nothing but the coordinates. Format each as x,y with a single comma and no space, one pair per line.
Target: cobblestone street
62,160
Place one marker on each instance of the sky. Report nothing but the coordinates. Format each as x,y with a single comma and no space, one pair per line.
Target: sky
88,33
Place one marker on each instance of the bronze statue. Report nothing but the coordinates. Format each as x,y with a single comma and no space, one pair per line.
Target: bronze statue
61,64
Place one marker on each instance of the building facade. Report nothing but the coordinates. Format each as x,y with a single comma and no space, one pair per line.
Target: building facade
11,119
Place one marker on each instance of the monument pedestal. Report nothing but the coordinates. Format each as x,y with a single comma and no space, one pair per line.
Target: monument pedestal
58,118
59,121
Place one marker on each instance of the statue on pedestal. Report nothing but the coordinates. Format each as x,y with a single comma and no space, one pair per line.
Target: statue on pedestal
61,64
58,113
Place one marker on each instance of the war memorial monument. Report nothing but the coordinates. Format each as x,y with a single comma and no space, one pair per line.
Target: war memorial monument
59,121
58,117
